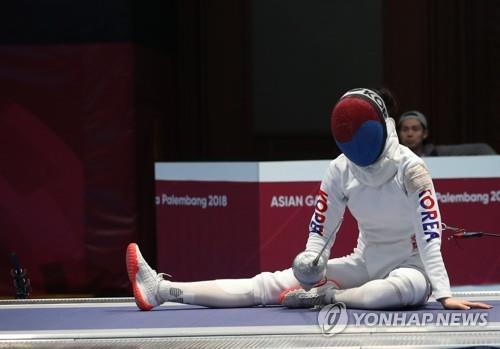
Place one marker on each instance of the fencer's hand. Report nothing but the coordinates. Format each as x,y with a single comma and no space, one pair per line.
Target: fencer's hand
453,303
309,269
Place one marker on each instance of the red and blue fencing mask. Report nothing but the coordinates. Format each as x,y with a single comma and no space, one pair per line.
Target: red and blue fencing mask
358,125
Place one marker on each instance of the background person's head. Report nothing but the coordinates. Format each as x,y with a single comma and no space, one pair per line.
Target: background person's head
413,130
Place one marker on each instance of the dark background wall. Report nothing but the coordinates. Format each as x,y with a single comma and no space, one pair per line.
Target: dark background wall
298,64
299,59
271,70
121,84
441,57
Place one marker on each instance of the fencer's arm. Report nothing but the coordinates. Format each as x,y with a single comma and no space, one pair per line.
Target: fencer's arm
427,225
328,213
325,221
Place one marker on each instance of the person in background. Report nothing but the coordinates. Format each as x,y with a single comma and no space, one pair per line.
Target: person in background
413,132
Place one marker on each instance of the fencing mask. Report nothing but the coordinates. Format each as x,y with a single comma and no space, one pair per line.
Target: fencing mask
358,125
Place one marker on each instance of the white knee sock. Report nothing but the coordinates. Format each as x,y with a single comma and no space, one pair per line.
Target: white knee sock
216,293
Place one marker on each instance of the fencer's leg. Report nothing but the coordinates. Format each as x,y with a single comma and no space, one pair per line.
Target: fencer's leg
344,272
270,286
213,293
151,290
263,289
347,272
401,288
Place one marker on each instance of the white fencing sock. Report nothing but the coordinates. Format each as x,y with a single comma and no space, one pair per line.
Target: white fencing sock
223,293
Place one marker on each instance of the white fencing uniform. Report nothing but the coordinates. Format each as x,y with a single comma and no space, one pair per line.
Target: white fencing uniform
398,249
399,224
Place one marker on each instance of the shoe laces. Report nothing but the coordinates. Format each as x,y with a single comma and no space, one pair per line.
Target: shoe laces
163,276
159,278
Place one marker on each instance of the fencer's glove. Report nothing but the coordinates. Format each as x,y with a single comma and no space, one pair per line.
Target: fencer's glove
306,271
